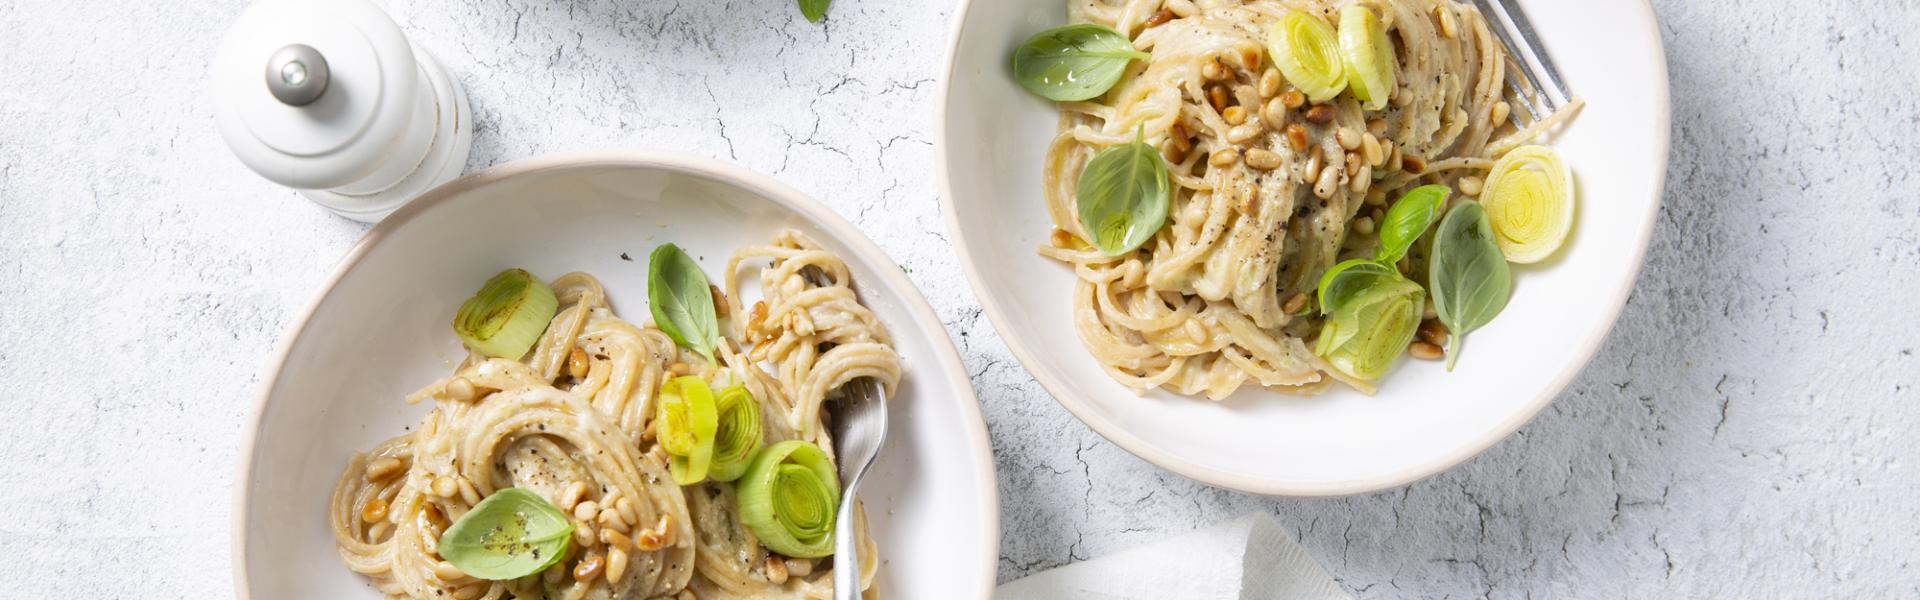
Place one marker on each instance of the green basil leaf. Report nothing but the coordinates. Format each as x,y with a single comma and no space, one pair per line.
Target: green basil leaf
815,10
1467,273
1073,62
1348,279
510,534
681,300
1408,219
1368,333
1123,196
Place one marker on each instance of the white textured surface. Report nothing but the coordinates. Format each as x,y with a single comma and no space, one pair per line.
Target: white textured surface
1748,430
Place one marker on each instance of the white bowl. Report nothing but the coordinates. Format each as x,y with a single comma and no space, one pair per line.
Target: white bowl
380,329
1424,420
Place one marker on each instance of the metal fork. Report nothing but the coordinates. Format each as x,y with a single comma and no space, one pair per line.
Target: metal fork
1531,76
859,430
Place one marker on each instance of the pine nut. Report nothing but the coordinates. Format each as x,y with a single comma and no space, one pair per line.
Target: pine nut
1363,179
1297,137
1275,113
627,514
469,592
1224,157
1245,133
571,497
1213,70
1402,98
1263,159
447,572
1217,97
1449,25
1500,111
460,390
1414,164
589,568
1235,115
1319,114
719,301
1393,159
800,567
1328,184
1470,186
1363,225
1293,99
1347,138
444,487
1425,351
776,570
616,563
1377,127
680,369
1370,146
1433,332
577,363
1353,165
584,534
383,468
1269,84
1294,304
374,511
1158,19
1314,166
610,518
615,539
586,510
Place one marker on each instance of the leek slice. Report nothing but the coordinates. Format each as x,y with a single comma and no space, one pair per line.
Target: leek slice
1368,55
1368,333
737,434
789,497
507,315
1307,51
1529,202
685,422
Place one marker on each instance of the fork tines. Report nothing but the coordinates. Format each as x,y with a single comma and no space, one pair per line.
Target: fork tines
1535,83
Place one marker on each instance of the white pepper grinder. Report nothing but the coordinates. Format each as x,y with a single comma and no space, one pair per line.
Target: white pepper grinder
329,97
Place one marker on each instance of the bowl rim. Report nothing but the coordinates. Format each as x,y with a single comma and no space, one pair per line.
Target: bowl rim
765,187
1055,383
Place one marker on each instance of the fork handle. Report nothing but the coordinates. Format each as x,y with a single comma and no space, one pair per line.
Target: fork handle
846,549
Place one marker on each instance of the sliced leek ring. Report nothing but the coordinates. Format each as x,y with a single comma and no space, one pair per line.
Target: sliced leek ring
1307,51
1529,202
506,317
1369,56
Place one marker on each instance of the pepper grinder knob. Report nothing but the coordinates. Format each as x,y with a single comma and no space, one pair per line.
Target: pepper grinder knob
297,74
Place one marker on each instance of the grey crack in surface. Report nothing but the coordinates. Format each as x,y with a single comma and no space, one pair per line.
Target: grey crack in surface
1746,431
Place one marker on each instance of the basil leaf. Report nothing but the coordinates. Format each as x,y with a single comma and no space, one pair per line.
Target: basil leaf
681,302
1408,219
1469,277
1123,195
511,534
1073,62
1348,279
814,10
1369,332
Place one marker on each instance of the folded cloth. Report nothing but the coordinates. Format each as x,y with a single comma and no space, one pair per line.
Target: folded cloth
1249,558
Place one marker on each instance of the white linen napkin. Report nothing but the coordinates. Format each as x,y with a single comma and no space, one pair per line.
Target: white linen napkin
1249,558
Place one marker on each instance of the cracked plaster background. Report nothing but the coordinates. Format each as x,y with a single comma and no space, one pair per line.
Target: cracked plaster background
1746,431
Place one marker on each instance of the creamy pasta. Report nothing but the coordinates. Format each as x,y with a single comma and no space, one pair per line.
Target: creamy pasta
573,423
1269,190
